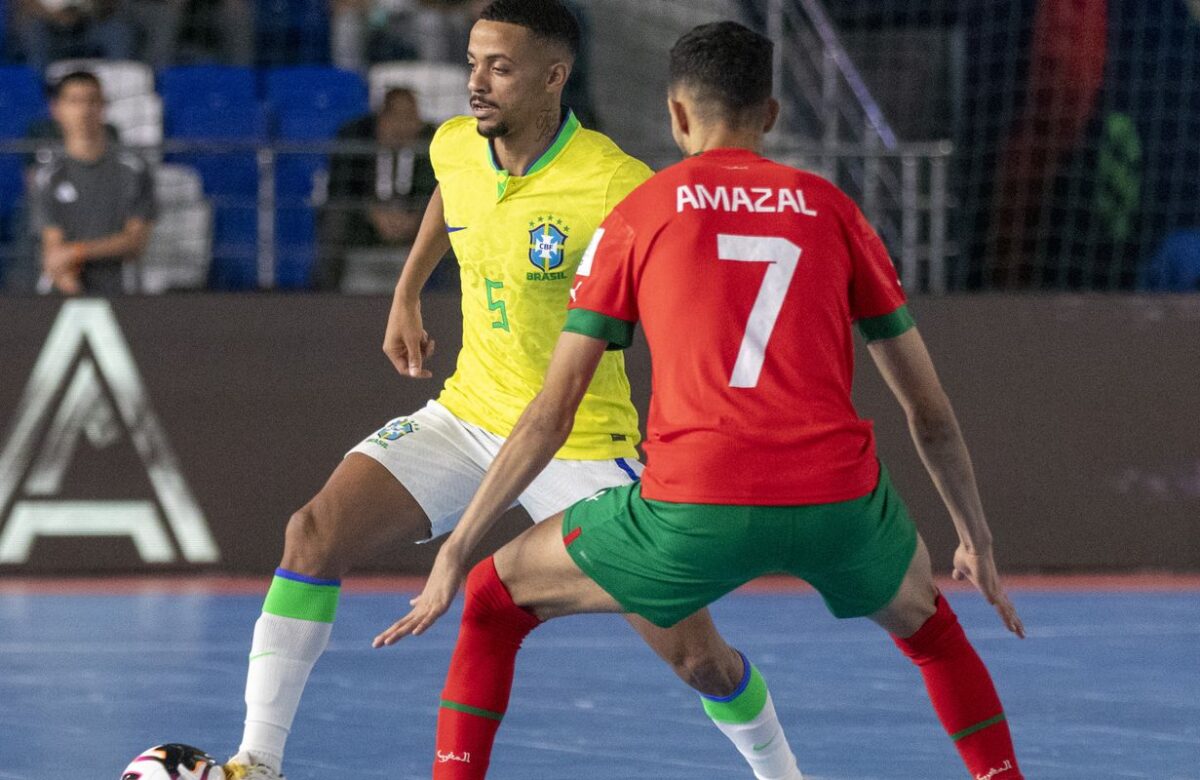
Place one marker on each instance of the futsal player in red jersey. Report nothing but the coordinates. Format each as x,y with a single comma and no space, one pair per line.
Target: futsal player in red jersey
747,276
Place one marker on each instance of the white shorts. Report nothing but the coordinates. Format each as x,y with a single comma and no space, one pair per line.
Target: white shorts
441,461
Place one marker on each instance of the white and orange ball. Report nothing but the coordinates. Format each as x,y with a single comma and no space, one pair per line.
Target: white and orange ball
173,761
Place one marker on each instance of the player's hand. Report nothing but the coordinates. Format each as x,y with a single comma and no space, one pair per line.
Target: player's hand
980,569
60,261
406,343
67,283
445,579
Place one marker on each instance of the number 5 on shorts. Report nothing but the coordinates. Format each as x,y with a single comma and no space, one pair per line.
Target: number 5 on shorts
782,257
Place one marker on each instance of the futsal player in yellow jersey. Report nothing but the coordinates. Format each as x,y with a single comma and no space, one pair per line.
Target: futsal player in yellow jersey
521,188
518,240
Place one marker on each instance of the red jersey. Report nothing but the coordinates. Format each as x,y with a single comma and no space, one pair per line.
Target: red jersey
746,276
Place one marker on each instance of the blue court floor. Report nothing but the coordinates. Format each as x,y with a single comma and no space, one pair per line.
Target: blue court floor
1107,686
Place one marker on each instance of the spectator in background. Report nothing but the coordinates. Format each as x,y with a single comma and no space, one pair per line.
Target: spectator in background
348,24
221,30
442,28
95,201
157,24
379,186
367,31
56,29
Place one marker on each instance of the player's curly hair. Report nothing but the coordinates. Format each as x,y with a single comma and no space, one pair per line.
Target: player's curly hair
550,20
726,65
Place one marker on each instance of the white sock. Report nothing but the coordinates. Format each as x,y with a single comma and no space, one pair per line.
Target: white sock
747,717
764,745
281,657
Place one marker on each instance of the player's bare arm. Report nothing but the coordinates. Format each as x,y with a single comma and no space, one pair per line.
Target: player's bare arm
59,262
908,370
538,435
130,242
64,257
405,341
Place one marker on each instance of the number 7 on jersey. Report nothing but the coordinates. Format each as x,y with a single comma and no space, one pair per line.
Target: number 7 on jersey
782,257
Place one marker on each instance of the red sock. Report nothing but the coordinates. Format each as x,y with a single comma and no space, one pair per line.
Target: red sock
963,696
480,677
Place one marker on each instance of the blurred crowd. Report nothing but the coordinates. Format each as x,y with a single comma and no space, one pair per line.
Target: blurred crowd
167,32
148,180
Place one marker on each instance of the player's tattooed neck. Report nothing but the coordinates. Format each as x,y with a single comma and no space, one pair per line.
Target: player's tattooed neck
547,123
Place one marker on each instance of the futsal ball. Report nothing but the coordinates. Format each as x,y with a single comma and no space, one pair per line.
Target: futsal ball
173,762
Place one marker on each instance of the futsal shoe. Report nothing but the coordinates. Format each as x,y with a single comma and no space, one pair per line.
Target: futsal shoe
242,767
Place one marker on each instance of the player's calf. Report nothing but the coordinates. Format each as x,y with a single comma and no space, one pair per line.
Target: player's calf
360,507
479,682
747,717
695,651
963,695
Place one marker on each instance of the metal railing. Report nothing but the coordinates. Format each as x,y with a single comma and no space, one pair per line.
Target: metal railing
911,215
912,219
834,126
248,190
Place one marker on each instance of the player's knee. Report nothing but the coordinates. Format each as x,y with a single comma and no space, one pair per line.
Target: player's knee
308,547
478,605
489,605
708,670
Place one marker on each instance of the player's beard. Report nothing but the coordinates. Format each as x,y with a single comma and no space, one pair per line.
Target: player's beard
497,130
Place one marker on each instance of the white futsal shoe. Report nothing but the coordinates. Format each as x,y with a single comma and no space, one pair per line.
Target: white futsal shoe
242,767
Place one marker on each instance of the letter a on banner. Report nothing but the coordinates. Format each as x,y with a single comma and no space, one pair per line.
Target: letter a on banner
43,441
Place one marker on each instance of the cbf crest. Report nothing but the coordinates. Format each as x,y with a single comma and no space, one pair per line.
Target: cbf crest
547,247
394,430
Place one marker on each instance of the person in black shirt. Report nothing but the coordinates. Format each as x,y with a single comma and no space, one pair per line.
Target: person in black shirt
379,185
95,201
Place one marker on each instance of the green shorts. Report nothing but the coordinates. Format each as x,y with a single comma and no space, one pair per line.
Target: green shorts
664,560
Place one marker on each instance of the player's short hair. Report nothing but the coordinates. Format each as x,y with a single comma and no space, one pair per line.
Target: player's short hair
727,66
549,20
56,88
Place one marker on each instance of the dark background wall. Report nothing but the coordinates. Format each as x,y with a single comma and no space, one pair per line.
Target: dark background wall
1082,414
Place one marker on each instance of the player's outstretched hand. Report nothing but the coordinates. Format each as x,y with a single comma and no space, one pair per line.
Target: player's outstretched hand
980,569
445,579
406,343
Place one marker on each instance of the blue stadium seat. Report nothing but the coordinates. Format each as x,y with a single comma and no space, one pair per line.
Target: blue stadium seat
291,32
22,100
215,104
310,103
215,86
316,89
1176,265
295,244
295,221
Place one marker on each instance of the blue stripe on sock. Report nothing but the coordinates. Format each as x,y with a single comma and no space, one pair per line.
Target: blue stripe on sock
741,686
291,575
628,469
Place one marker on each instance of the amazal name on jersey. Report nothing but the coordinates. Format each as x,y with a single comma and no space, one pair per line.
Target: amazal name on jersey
763,200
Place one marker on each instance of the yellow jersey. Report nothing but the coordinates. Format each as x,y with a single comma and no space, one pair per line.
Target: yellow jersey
518,240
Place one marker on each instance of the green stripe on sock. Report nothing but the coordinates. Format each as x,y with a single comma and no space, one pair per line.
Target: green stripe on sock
302,600
743,709
977,727
453,705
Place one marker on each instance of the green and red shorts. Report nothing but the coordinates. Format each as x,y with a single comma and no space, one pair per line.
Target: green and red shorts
664,560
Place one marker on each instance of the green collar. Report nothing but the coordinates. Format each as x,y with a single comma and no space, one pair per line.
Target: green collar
566,131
